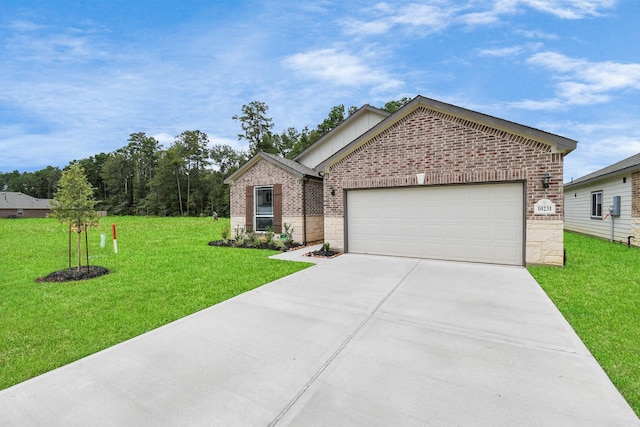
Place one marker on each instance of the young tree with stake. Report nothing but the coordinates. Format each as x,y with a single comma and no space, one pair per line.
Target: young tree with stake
73,204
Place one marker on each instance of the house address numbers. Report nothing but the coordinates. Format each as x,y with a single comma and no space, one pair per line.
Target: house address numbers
544,207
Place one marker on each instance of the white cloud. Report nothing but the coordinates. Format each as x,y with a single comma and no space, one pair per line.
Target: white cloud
504,51
437,15
429,16
510,51
582,82
37,43
546,104
340,68
571,9
536,34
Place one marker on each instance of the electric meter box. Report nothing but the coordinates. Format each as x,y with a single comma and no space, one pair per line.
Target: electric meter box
615,208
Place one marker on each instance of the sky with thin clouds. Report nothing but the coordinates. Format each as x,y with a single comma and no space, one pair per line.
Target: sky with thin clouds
77,77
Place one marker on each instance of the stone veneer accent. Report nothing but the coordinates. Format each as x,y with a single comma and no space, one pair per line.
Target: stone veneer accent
545,243
266,173
451,150
635,231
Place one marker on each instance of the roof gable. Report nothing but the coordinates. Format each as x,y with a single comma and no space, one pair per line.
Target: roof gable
627,165
352,127
292,167
558,143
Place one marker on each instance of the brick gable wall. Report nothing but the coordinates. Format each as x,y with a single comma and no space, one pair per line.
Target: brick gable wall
266,173
451,150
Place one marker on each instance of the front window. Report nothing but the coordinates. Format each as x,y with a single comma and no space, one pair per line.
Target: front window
264,208
596,204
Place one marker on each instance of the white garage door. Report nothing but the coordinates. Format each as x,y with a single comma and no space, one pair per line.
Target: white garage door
478,223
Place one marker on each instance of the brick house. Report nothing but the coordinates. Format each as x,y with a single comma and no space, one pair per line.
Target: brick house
431,180
606,203
270,190
19,205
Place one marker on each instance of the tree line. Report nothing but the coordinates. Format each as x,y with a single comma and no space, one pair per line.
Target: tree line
185,179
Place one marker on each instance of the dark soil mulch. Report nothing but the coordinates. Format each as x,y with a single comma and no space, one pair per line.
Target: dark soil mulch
322,254
263,245
71,274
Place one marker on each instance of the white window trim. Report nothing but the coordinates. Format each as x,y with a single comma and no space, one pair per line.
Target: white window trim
593,205
255,207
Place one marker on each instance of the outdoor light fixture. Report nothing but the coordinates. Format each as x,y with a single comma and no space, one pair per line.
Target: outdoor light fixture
333,191
545,180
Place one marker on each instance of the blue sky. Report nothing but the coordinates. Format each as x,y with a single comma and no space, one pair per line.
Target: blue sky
77,77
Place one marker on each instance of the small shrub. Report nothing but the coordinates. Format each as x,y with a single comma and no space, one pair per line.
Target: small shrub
269,235
253,238
288,231
326,247
239,236
225,233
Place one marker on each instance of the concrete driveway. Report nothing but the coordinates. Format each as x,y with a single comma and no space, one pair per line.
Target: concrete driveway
354,341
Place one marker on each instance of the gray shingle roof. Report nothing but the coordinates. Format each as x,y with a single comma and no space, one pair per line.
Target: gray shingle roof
629,163
291,166
11,200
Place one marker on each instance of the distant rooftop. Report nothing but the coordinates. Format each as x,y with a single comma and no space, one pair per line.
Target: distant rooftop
13,200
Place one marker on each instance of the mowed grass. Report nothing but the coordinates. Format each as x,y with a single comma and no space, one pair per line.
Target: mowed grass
164,270
598,292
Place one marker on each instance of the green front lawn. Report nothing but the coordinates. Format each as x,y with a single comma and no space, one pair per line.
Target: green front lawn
164,270
598,292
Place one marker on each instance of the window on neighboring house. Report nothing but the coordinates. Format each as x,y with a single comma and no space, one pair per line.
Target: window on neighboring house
263,208
596,204
20,212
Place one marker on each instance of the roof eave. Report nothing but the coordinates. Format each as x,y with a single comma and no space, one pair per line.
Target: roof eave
560,143
579,181
297,174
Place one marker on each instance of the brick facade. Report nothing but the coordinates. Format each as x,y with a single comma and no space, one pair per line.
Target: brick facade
449,150
26,213
266,173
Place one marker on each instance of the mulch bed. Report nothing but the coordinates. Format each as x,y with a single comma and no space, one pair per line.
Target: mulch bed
322,254
263,245
290,247
72,274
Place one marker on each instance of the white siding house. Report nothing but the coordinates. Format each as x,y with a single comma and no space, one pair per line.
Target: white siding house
588,202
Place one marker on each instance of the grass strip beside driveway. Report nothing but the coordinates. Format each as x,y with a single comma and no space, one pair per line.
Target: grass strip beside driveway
598,292
164,270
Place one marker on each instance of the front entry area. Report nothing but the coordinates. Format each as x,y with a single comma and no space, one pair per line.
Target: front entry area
471,222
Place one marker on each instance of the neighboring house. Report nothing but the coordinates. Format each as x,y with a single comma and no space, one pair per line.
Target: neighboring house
606,203
431,180
18,205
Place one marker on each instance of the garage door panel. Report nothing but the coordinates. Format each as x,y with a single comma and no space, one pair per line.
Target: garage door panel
481,223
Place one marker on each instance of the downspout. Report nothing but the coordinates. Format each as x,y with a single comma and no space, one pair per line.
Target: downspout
304,210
